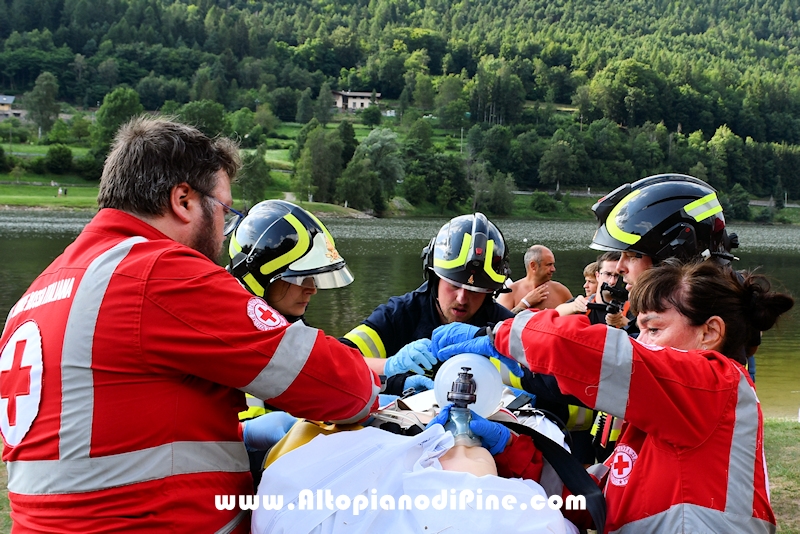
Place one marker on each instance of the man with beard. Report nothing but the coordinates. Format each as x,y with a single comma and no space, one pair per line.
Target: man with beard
125,364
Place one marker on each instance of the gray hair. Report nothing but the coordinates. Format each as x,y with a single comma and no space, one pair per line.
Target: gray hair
534,253
151,155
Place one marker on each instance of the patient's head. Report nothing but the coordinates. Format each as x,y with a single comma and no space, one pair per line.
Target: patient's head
475,460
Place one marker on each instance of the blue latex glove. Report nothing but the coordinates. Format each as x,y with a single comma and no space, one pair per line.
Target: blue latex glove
412,357
442,417
449,334
418,382
266,430
494,436
480,345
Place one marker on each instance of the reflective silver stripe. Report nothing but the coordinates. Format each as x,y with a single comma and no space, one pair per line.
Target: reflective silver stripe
598,470
45,477
233,523
77,383
615,373
694,518
741,467
515,348
254,402
367,340
365,411
287,362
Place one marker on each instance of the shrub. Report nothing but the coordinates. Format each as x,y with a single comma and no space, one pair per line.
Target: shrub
59,159
543,203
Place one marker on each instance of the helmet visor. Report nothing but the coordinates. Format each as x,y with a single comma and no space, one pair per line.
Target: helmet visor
474,289
326,280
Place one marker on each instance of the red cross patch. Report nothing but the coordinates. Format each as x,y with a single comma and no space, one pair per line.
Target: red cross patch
20,381
263,316
622,461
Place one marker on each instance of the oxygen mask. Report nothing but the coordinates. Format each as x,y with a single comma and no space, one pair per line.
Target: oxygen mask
469,382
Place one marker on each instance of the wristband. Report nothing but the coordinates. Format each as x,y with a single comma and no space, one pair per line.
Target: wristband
525,302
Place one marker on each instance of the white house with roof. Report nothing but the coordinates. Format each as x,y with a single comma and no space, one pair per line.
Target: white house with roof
353,100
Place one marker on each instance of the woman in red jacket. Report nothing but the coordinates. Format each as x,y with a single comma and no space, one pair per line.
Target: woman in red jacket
690,457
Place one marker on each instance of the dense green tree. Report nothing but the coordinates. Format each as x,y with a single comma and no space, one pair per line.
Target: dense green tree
501,196
347,134
41,102
325,104
205,115
383,150
319,165
371,116
559,163
445,196
254,176
420,136
415,189
738,204
305,107
423,92
359,186
59,159
300,140
119,106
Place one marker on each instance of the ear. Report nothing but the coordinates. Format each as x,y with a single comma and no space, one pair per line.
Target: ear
713,333
183,200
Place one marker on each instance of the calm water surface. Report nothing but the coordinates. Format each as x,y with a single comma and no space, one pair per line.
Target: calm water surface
384,256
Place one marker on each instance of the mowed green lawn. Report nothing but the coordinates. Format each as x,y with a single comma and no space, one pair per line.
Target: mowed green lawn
47,196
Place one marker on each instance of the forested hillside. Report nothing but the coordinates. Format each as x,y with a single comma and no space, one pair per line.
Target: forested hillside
710,88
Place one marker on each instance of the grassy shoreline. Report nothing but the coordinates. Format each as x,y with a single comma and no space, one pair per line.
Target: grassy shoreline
781,445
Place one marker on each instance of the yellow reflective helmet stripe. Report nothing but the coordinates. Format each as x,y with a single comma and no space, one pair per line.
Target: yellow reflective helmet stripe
487,265
460,260
251,282
367,340
303,241
611,222
324,229
703,208
234,247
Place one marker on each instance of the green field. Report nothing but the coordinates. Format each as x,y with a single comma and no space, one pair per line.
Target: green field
28,150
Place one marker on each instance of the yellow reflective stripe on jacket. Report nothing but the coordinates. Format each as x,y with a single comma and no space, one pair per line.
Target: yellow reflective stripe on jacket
580,418
255,407
703,208
367,340
508,377
616,426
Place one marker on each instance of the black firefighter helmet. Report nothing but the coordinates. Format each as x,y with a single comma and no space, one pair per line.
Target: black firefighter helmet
278,239
664,216
469,252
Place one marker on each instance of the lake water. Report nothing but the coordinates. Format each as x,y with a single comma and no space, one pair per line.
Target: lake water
384,255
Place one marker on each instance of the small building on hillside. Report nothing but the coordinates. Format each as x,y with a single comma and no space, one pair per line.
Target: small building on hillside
5,107
353,100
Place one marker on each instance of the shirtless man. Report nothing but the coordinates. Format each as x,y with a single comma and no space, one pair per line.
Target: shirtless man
537,289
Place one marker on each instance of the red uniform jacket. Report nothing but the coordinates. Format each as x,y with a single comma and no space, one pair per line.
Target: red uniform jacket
123,368
691,457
